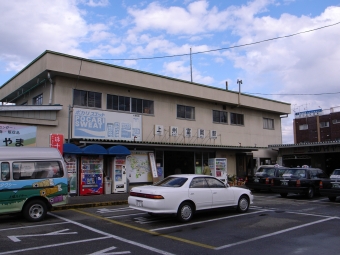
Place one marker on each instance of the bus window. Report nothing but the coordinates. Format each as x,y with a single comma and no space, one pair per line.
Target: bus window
4,171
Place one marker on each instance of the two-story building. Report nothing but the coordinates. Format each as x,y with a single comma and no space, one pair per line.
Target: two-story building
181,123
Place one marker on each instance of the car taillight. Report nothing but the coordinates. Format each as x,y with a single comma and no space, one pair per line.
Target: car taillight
151,196
298,183
321,185
267,180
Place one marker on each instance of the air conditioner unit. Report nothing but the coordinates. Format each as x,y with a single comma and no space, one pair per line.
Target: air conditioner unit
201,133
187,132
213,134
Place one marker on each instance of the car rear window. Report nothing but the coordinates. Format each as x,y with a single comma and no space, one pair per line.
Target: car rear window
266,172
336,172
295,173
172,182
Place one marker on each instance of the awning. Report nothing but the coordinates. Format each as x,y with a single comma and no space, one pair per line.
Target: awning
94,149
71,148
118,150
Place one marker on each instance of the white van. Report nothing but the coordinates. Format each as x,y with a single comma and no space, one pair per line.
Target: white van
32,181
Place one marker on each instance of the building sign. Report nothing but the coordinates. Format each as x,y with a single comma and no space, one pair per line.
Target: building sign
106,125
306,114
57,141
16,136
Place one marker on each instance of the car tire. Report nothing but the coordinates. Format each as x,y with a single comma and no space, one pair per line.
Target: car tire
283,194
332,199
185,212
35,210
243,204
310,192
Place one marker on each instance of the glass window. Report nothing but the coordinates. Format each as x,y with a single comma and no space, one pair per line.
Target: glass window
37,170
199,183
268,123
303,127
123,103
136,105
214,183
185,112
38,100
220,117
112,102
87,98
4,171
172,182
148,107
236,119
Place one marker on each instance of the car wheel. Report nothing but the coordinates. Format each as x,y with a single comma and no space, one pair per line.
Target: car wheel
35,210
185,212
243,204
310,192
332,199
283,194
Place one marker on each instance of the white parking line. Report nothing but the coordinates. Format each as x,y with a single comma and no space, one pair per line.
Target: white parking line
200,222
273,234
34,226
124,215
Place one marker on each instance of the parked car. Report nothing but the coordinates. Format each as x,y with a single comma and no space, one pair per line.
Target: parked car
263,176
331,187
184,194
304,181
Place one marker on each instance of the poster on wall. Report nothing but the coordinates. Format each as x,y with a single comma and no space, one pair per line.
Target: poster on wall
17,135
138,167
57,141
89,123
71,165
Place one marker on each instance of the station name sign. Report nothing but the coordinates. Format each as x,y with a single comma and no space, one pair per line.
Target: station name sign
306,114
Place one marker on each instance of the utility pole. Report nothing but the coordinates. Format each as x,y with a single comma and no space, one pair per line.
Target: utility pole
239,82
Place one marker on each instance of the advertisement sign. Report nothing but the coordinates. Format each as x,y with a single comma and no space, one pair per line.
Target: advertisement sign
89,123
308,113
138,167
16,135
57,141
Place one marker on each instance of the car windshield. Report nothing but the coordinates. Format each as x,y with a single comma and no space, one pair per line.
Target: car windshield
266,171
295,172
336,172
172,182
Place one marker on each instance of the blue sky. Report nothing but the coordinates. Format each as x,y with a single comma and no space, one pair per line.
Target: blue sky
296,69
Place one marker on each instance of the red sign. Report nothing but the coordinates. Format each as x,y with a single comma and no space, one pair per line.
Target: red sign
57,141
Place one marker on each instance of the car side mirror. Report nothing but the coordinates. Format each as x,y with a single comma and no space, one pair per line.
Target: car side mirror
227,185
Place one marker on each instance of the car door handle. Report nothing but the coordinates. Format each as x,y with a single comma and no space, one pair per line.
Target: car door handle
214,192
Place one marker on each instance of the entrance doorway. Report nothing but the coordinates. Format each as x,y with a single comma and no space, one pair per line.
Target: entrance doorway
183,160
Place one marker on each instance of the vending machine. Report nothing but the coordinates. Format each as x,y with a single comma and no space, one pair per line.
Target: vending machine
218,167
91,175
119,181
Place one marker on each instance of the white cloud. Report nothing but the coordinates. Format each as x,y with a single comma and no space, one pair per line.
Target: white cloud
100,3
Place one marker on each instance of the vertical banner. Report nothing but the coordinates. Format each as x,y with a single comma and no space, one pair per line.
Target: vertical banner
153,167
57,141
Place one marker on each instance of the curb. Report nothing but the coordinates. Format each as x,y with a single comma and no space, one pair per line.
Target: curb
88,205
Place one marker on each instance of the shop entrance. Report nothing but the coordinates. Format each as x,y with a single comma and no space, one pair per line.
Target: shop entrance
179,162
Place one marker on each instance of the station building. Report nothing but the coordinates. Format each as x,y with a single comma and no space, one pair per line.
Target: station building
83,102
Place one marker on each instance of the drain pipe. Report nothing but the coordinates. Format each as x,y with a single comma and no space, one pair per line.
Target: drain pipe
51,88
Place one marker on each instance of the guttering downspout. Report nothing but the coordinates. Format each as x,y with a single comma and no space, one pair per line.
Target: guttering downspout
51,88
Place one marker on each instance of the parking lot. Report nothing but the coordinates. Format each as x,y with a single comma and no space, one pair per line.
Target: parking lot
291,225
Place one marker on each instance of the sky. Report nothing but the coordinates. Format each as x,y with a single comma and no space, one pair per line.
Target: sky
284,50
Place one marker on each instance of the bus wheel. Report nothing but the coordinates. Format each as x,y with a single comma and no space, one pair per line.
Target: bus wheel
35,210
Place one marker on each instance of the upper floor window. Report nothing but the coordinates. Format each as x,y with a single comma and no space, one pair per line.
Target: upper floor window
185,112
268,123
87,98
303,127
38,100
220,117
335,121
141,106
236,119
324,124
118,103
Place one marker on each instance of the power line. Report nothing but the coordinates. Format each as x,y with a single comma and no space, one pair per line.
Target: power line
227,48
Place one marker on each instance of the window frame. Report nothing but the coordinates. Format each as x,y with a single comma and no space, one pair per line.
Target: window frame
185,109
236,116
267,122
303,127
87,98
38,100
220,117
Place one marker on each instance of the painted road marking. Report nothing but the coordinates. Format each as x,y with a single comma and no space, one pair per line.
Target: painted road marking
34,226
55,233
272,234
106,210
103,252
124,215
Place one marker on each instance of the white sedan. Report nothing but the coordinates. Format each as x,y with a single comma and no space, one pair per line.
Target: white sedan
183,194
